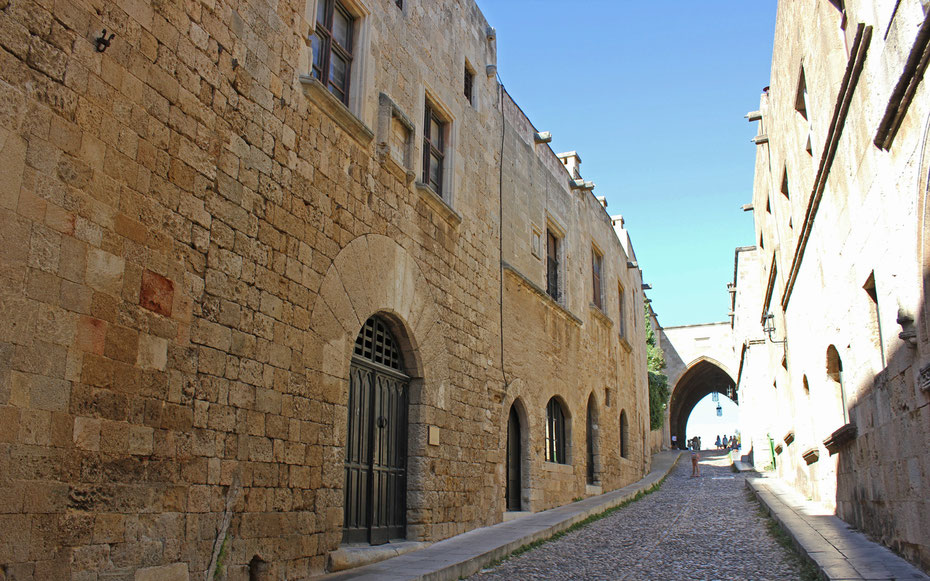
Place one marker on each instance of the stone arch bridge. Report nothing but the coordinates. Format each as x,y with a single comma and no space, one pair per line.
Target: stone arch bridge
700,360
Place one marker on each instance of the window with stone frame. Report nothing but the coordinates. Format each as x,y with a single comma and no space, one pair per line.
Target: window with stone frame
332,41
435,130
597,264
553,278
555,432
621,313
469,84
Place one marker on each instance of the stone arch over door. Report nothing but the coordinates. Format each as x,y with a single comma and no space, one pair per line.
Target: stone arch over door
701,377
374,275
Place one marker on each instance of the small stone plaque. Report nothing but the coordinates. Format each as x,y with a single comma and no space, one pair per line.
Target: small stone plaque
433,435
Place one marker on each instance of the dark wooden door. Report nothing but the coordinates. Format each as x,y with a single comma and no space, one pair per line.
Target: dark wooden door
376,445
514,457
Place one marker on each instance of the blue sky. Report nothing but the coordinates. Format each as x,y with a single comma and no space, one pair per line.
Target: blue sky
652,96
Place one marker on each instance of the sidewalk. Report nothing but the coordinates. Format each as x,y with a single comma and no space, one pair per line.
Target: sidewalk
837,551
468,553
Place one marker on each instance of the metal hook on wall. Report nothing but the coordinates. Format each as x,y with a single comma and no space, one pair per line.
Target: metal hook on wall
103,42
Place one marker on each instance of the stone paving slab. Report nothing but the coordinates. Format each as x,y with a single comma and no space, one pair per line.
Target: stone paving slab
839,552
467,553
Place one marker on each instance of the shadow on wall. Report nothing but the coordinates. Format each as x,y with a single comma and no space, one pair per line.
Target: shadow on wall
881,476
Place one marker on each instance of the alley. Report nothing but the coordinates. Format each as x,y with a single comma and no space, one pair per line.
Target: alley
690,528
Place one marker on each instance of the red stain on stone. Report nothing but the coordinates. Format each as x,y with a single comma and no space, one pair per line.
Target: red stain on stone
156,293
91,335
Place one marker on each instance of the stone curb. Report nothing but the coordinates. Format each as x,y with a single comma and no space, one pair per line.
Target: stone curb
468,553
837,552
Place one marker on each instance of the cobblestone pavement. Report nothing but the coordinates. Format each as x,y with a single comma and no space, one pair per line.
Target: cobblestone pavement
690,528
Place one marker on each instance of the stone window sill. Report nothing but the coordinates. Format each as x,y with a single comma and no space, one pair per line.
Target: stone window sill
336,110
840,438
556,467
541,293
439,205
397,169
601,315
626,344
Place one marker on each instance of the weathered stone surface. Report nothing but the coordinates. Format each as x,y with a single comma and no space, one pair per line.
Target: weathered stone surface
191,244
841,263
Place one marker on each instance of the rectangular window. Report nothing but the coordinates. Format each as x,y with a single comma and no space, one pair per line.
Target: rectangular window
332,47
434,129
469,84
621,316
552,264
596,261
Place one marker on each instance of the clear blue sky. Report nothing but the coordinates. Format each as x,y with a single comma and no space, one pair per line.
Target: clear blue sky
652,96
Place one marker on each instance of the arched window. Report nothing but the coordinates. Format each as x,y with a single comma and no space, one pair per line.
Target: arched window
591,441
835,373
624,435
555,432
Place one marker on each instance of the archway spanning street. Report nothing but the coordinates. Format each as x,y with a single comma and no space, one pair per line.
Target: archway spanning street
699,380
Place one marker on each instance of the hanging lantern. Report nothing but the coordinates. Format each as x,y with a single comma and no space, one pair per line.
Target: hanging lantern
719,410
715,396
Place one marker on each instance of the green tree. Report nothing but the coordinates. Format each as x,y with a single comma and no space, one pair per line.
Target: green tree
658,381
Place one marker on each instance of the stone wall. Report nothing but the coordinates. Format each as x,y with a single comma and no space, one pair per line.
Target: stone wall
568,347
194,232
839,197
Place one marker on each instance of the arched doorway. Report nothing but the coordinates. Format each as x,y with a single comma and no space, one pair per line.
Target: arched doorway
699,380
514,461
591,441
624,435
376,445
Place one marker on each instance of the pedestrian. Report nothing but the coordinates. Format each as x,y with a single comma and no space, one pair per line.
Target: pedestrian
725,441
718,441
695,467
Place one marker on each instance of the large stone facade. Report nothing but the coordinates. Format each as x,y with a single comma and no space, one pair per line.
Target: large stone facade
837,387
194,231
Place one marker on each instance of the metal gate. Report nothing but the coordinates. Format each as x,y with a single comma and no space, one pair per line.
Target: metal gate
514,457
376,443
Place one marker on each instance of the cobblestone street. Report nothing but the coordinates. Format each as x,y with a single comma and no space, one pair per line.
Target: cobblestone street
690,528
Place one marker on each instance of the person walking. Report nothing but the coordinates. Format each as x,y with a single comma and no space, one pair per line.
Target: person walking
717,443
695,467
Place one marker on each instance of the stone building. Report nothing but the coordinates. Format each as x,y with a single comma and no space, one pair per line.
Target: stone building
279,277
830,307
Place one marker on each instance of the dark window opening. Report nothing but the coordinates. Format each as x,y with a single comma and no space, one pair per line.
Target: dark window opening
555,432
434,148
332,47
596,262
552,264
469,85
621,315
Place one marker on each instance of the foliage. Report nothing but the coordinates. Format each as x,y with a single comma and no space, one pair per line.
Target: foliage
219,572
658,381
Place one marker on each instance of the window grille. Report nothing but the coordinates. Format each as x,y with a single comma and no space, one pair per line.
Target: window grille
375,343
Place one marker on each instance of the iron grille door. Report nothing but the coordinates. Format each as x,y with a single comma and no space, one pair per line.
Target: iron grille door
376,443
514,483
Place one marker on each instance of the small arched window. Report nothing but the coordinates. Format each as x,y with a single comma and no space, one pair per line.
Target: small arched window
555,432
835,373
624,435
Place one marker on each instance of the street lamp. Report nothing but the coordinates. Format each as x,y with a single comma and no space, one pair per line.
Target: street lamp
768,327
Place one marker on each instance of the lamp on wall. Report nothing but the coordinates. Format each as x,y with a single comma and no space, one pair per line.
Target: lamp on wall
768,327
719,409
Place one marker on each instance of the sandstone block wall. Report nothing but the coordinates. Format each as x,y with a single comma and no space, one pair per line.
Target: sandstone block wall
193,234
840,229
